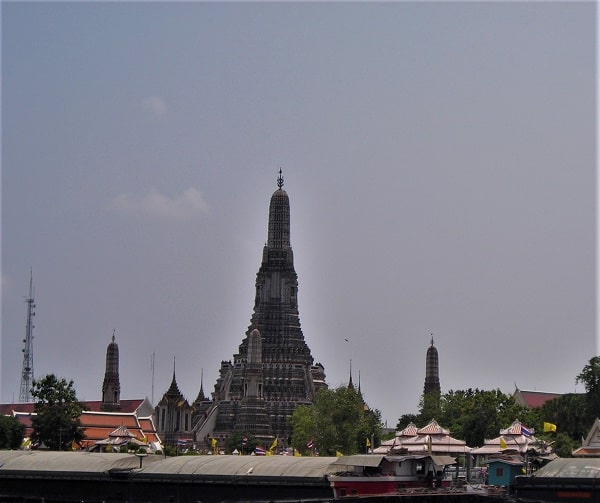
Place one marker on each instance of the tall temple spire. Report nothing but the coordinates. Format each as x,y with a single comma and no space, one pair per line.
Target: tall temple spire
173,414
432,370
111,388
350,383
287,376
278,237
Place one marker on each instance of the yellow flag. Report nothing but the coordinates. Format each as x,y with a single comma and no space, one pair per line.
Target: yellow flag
297,453
338,454
368,442
273,445
549,427
503,444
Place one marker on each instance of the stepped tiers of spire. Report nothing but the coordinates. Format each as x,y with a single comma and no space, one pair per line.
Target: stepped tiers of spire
273,371
111,388
173,414
432,370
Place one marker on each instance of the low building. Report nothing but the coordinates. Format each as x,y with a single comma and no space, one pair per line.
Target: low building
590,447
432,438
97,424
502,471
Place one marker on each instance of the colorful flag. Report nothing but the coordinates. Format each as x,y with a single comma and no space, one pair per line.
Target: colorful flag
525,431
245,441
181,442
273,445
549,427
259,451
297,453
338,454
310,444
503,444
368,442
213,444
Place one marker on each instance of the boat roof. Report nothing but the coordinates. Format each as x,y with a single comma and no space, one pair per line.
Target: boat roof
588,468
376,459
272,466
360,460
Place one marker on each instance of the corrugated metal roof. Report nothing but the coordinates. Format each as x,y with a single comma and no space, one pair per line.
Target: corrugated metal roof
271,466
360,460
56,461
571,468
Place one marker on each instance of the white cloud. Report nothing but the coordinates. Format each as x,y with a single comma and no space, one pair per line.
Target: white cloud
156,105
190,204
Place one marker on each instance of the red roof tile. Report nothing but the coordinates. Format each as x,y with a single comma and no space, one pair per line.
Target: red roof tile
534,399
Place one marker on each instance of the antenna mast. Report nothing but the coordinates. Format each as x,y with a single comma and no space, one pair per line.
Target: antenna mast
27,372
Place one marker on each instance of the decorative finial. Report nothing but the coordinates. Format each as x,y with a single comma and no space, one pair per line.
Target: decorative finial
113,337
432,339
280,179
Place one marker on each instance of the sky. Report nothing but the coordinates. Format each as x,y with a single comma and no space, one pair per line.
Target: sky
440,160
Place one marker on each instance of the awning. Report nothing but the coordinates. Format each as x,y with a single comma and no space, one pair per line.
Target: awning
359,460
443,460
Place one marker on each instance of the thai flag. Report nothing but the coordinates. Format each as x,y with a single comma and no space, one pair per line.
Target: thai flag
181,442
259,451
309,444
525,431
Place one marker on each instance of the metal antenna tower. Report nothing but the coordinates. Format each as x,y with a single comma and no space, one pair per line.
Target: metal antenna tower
27,372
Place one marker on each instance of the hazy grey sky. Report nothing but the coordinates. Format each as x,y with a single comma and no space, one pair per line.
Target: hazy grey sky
439,159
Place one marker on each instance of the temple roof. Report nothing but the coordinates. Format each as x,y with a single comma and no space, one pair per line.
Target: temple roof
591,445
533,399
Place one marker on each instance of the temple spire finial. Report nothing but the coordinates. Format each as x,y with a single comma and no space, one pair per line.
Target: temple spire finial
280,179
350,383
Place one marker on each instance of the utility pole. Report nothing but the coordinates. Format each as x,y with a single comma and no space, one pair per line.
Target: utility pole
27,372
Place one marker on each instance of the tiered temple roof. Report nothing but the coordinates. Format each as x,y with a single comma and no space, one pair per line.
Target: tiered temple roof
286,375
431,438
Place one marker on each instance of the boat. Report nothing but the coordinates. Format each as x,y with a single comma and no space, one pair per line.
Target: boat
380,475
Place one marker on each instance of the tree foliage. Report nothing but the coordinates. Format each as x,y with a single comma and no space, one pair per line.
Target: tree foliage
590,377
57,421
235,441
304,426
11,432
476,415
338,421
568,413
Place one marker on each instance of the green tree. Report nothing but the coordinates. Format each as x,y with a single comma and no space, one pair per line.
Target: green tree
338,421
405,420
569,414
304,427
430,406
476,415
11,432
235,440
590,377
57,421
562,444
